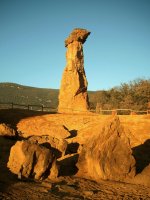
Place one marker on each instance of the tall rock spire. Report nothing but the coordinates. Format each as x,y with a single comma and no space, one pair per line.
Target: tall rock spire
73,95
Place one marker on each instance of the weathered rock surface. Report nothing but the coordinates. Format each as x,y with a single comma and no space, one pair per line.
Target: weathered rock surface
73,92
107,155
143,178
5,130
84,134
77,34
30,160
29,127
58,146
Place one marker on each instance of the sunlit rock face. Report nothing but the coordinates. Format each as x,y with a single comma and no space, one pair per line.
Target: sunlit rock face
73,95
31,160
107,155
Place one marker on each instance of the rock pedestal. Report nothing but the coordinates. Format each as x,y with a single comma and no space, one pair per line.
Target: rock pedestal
73,95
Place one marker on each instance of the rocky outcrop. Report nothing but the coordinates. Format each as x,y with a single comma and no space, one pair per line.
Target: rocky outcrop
58,146
28,127
6,131
107,155
73,92
31,160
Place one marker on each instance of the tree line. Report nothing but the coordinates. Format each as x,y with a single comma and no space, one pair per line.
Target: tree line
134,95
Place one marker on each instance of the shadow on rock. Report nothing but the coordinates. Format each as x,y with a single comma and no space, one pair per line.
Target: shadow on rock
141,154
68,166
6,177
72,148
73,133
55,151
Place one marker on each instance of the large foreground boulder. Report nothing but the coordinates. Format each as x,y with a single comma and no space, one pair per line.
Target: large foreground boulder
30,160
107,155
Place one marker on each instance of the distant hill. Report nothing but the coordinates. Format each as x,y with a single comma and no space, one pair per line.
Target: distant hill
133,95
20,94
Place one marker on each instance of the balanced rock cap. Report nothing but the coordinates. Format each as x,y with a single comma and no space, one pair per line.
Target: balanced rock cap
78,34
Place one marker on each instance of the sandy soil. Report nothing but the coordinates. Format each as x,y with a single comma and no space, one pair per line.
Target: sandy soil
73,189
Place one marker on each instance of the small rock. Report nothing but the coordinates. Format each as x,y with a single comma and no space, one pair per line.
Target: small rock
47,184
5,130
88,192
66,188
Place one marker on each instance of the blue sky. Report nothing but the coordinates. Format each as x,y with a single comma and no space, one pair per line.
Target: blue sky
32,34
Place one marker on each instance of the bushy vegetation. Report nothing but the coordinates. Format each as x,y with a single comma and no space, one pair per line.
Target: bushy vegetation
134,95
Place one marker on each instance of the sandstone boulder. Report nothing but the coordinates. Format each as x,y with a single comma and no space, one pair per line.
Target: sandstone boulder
5,130
38,127
84,134
73,95
58,146
107,155
30,160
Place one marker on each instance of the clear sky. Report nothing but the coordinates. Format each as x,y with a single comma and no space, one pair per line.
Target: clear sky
32,34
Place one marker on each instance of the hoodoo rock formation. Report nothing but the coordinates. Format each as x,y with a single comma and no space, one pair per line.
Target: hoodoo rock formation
73,95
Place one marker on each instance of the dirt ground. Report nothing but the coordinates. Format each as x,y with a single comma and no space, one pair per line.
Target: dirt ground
71,188
67,187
